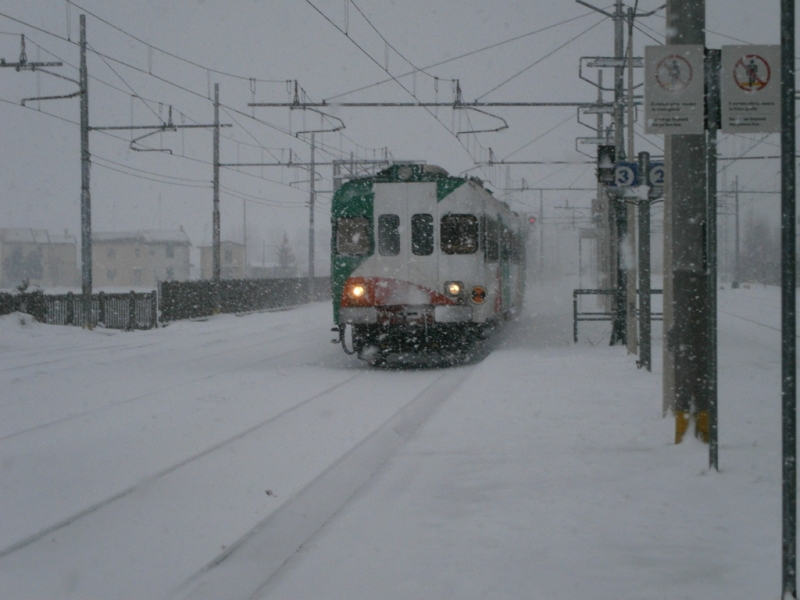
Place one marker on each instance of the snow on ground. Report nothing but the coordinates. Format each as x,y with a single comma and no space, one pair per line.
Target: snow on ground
130,461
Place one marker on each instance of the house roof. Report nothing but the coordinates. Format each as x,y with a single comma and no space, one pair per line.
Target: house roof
143,236
24,235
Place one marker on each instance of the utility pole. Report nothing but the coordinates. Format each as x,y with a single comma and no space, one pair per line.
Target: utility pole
312,194
541,233
788,299
645,329
244,237
632,334
215,217
86,202
686,194
713,122
737,274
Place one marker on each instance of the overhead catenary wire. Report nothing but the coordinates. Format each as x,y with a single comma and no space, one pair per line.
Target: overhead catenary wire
545,57
465,55
173,55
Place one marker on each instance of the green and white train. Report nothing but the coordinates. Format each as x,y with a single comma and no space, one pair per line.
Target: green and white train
422,261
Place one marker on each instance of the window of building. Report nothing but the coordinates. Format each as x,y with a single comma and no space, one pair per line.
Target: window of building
422,234
352,236
170,274
389,235
111,252
170,251
459,234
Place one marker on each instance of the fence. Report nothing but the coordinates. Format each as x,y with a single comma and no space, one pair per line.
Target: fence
115,311
578,315
192,299
175,300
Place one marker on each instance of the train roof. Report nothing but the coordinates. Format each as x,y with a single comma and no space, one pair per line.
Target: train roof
410,172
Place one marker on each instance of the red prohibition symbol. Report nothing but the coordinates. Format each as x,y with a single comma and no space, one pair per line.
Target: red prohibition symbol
674,73
752,73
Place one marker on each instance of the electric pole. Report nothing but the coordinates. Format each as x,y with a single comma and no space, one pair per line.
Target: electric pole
311,198
686,195
215,217
86,202
737,274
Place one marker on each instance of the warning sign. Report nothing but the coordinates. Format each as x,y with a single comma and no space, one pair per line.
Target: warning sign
674,89
750,90
674,73
752,73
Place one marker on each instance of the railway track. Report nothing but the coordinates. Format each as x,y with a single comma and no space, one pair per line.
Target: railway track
310,435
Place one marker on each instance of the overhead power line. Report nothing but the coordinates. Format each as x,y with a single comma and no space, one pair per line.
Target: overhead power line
171,54
465,55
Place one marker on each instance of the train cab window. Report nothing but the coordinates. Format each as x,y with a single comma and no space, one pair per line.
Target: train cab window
389,235
459,234
517,249
490,240
352,236
422,234
505,244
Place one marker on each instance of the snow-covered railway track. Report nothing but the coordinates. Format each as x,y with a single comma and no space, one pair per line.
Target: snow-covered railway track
264,361
150,479
168,484
244,568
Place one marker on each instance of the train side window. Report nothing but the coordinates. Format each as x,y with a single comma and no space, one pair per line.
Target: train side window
352,236
389,235
490,240
459,234
422,234
505,244
517,249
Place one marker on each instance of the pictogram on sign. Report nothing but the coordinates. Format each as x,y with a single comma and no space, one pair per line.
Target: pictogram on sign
752,73
674,73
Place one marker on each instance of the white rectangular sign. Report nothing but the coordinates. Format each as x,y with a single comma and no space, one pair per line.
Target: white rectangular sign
750,88
674,89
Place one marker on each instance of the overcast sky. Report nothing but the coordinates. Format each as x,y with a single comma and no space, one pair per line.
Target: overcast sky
253,48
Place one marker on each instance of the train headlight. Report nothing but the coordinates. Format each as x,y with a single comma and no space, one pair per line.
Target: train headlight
358,291
453,288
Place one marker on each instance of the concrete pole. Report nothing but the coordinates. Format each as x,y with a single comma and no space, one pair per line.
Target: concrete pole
686,170
86,201
244,238
737,274
617,211
215,217
632,333
311,199
789,298
668,359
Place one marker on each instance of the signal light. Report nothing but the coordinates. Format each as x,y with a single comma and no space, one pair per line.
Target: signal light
531,220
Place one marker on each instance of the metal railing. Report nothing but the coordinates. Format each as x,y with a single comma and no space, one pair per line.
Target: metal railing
578,315
115,311
174,300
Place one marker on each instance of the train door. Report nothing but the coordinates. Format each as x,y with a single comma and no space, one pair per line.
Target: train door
405,219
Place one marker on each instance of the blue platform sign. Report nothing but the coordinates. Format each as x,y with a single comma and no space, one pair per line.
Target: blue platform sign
626,174
656,174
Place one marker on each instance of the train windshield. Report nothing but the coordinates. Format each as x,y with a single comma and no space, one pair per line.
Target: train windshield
459,234
422,234
352,236
389,235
